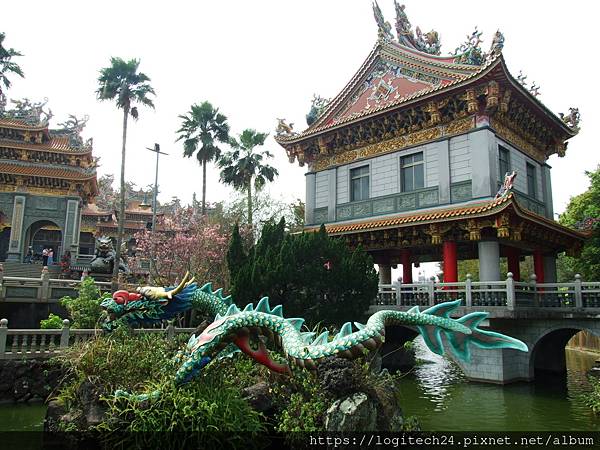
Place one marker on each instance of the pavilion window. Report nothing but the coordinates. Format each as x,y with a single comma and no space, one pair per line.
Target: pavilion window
359,183
503,161
531,184
412,174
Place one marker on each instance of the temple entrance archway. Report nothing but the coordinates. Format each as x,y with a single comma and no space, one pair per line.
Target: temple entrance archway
44,234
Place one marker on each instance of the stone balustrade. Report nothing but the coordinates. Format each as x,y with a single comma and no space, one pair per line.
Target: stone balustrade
506,294
38,343
40,290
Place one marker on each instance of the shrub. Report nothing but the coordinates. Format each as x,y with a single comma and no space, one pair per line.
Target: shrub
85,310
53,322
312,275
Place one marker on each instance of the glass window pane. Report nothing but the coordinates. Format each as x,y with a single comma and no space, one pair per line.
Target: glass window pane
407,179
418,157
365,188
354,189
419,181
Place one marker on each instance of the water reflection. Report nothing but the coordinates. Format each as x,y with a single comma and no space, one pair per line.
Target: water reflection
441,397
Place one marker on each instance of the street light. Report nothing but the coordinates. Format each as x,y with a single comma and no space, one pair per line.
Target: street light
156,150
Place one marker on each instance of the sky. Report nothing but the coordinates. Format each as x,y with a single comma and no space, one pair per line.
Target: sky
261,60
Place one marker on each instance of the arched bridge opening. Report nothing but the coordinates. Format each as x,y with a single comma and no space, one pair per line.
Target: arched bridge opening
548,355
393,352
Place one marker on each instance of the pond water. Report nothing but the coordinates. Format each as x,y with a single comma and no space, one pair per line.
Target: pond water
439,395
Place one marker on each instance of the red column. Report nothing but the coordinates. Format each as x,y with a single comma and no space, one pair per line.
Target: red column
450,262
406,266
538,265
512,256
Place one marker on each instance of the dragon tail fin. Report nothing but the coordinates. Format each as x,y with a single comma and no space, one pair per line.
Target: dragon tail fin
459,342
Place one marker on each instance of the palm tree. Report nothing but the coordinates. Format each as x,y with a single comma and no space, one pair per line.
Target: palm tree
7,66
123,83
202,128
243,165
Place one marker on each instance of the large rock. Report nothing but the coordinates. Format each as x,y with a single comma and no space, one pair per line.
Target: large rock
93,410
259,397
338,377
354,413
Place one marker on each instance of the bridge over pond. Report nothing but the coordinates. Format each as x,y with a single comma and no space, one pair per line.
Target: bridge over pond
544,316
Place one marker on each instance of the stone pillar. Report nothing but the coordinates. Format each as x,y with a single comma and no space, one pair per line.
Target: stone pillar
450,262
550,275
385,273
15,242
512,258
406,266
538,266
309,207
71,231
489,260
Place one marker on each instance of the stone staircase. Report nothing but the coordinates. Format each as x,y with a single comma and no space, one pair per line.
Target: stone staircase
17,269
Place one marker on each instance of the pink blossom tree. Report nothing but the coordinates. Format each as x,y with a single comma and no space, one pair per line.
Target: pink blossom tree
182,242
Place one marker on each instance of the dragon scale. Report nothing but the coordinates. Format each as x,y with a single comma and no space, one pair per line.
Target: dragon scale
234,329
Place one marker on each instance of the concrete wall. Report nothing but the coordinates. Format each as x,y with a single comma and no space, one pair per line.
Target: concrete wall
518,162
460,159
472,157
322,189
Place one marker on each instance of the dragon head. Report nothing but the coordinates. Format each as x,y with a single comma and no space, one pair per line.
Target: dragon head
150,304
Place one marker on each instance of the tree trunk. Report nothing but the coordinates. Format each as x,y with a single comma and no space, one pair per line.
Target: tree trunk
204,187
121,220
250,204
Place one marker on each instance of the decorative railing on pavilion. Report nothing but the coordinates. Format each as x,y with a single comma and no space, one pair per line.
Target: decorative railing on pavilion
36,343
507,294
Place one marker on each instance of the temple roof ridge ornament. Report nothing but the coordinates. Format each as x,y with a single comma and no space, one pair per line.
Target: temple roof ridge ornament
469,52
384,29
284,129
318,106
572,119
425,42
72,128
30,113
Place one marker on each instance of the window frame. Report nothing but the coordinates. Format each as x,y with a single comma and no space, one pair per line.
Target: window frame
401,167
503,150
351,178
531,189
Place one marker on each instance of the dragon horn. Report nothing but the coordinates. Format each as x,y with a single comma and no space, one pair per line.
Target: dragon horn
190,282
179,288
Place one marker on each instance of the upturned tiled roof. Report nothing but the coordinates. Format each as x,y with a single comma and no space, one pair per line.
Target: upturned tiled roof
472,210
38,170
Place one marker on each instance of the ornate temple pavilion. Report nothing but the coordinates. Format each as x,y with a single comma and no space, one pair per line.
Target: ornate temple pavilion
408,159
46,178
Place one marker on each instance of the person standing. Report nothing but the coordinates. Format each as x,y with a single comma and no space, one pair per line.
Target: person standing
29,256
50,256
45,257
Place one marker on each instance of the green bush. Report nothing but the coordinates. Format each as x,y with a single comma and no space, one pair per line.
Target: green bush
85,310
202,414
53,322
592,399
312,275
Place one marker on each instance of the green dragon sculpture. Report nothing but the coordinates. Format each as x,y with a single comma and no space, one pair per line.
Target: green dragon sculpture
300,349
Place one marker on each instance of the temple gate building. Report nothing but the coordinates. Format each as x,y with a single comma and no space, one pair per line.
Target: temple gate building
408,159
46,179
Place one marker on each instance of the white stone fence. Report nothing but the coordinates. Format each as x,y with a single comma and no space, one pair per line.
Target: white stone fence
507,294
37,343
40,290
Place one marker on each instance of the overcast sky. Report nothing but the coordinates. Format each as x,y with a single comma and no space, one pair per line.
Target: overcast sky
259,60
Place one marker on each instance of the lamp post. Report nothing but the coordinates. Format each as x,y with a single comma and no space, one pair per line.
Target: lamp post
156,150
